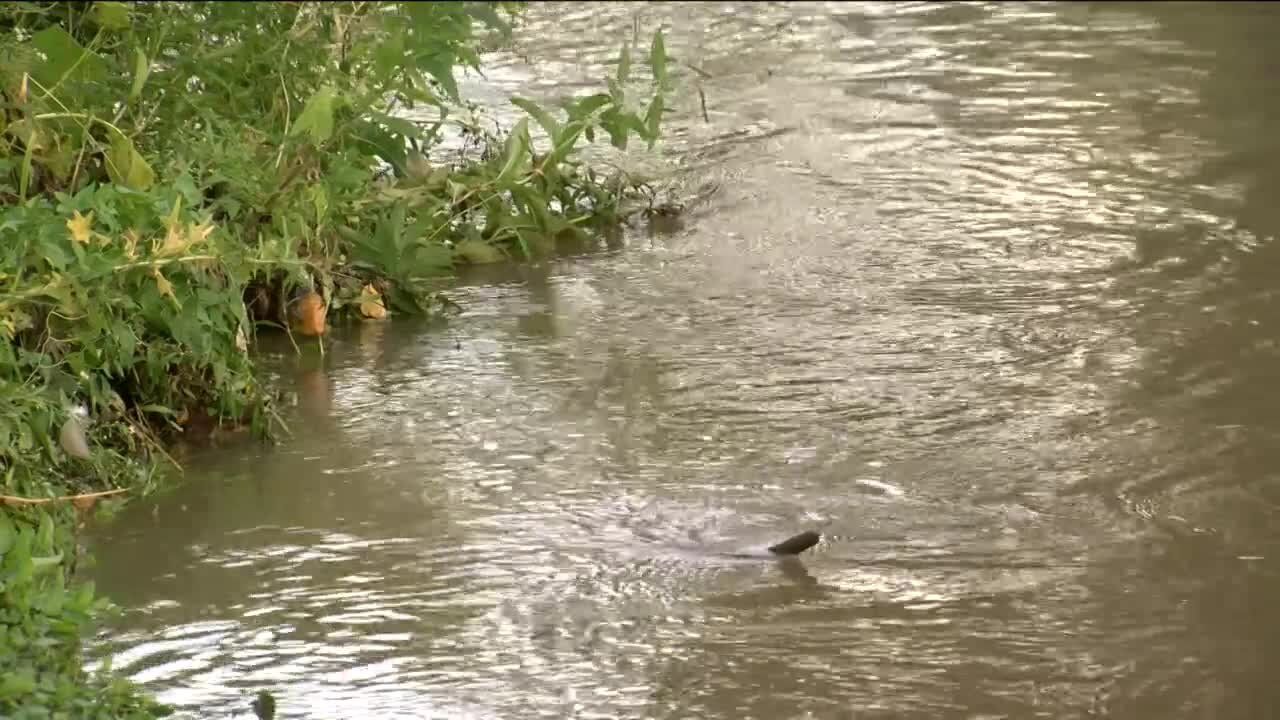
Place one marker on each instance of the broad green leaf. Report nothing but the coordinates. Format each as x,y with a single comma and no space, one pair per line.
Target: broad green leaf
175,212
59,161
126,342
111,15
426,259
517,153
456,190
567,138
320,201
397,125
583,107
17,562
615,123
624,64
389,54
54,594
141,69
316,117
6,533
535,205
82,598
543,117
19,683
126,166
42,562
440,67
478,252
467,57
653,119
44,536
658,60
485,13
375,140
395,227
64,58
24,177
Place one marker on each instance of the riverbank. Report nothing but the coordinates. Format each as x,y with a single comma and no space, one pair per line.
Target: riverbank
149,233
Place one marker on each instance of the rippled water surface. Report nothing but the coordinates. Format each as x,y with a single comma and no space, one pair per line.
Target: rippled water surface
985,288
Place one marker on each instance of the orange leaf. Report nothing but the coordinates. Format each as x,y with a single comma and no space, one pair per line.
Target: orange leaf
310,314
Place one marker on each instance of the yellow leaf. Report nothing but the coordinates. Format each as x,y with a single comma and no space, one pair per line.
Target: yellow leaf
371,303
81,227
164,286
171,221
197,233
12,321
175,242
131,243
178,241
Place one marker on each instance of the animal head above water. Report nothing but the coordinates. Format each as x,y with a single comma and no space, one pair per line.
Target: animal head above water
796,544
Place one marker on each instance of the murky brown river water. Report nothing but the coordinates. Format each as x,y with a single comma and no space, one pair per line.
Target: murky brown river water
990,288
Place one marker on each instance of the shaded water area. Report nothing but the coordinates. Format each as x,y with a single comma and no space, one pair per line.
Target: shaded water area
988,288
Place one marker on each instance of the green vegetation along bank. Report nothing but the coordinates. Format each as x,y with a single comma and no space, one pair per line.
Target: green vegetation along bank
176,178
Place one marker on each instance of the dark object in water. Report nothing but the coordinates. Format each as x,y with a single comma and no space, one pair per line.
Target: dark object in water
796,544
788,548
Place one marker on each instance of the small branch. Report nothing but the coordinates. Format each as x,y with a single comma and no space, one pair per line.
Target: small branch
701,73
75,174
161,262
148,437
288,119
15,500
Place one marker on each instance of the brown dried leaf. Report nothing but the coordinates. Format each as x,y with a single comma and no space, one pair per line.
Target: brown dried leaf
371,305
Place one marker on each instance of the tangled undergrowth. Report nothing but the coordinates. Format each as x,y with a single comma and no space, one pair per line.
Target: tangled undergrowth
176,178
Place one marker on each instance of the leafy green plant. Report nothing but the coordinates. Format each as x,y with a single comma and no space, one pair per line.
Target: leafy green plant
173,176
42,622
